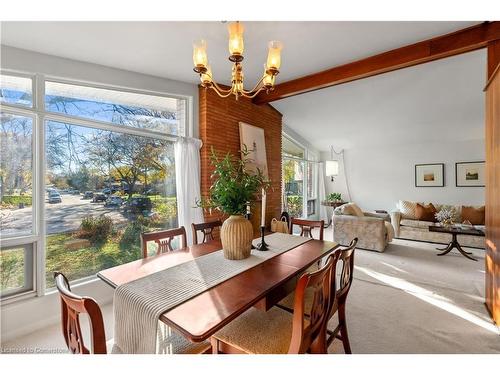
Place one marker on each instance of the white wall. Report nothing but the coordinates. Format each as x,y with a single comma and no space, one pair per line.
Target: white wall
25,316
380,176
298,138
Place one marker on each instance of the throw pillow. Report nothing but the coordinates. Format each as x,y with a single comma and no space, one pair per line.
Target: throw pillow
352,209
473,214
407,209
425,213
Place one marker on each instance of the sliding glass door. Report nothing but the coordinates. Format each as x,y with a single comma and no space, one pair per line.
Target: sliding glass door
293,187
299,179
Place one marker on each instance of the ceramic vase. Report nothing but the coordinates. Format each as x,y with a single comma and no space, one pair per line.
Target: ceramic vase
236,235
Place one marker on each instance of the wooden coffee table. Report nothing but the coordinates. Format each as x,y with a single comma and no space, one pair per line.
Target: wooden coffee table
454,231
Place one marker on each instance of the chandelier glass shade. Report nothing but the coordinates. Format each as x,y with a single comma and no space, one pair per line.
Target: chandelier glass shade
236,48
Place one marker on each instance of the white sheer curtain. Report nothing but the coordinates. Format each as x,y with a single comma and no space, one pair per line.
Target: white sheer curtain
187,177
323,213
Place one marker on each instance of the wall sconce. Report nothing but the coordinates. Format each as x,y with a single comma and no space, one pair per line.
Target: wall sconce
332,168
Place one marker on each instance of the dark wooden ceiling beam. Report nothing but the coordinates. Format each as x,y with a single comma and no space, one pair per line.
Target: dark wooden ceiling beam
461,41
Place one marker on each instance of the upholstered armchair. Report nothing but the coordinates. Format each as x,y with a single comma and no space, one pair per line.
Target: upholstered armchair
374,231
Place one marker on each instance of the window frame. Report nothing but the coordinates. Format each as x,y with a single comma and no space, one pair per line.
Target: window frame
40,116
29,271
304,161
308,159
19,74
103,125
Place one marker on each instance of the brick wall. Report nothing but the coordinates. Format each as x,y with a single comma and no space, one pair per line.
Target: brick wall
219,128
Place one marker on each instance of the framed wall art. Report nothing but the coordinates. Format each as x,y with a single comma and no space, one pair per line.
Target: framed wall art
429,175
253,138
470,173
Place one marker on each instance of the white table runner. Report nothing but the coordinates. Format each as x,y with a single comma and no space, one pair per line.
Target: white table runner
139,304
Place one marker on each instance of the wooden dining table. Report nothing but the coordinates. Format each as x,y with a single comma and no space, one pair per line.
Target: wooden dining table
261,286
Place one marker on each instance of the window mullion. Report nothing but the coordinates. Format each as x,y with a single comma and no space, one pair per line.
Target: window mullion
39,248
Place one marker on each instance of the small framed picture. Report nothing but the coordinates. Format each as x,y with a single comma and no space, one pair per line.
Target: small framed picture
429,175
469,173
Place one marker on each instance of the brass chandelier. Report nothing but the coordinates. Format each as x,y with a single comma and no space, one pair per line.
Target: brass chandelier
236,47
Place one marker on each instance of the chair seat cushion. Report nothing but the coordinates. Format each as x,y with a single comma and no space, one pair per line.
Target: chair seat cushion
259,332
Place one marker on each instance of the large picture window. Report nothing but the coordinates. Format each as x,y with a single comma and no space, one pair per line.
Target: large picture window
83,171
157,113
103,189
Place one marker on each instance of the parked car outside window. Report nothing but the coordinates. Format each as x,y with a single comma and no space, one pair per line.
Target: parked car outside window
114,200
99,197
88,195
54,197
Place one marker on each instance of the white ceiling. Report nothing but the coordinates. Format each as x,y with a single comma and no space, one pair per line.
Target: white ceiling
427,102
164,49
441,100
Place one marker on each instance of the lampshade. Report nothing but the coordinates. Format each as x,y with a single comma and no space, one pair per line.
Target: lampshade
200,58
236,45
332,168
274,55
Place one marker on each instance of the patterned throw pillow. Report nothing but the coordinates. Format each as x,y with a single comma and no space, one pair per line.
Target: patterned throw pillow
408,210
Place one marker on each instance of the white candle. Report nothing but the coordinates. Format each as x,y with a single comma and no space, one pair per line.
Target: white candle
263,218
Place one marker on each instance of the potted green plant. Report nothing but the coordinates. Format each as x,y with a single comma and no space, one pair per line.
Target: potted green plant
334,197
233,187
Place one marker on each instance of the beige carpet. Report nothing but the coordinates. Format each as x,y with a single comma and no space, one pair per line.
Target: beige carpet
409,300
406,300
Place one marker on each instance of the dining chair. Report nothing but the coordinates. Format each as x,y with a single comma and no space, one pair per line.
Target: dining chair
207,229
73,305
306,227
278,331
163,239
346,262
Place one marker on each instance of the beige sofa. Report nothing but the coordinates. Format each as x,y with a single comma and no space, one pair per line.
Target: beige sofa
406,226
374,231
